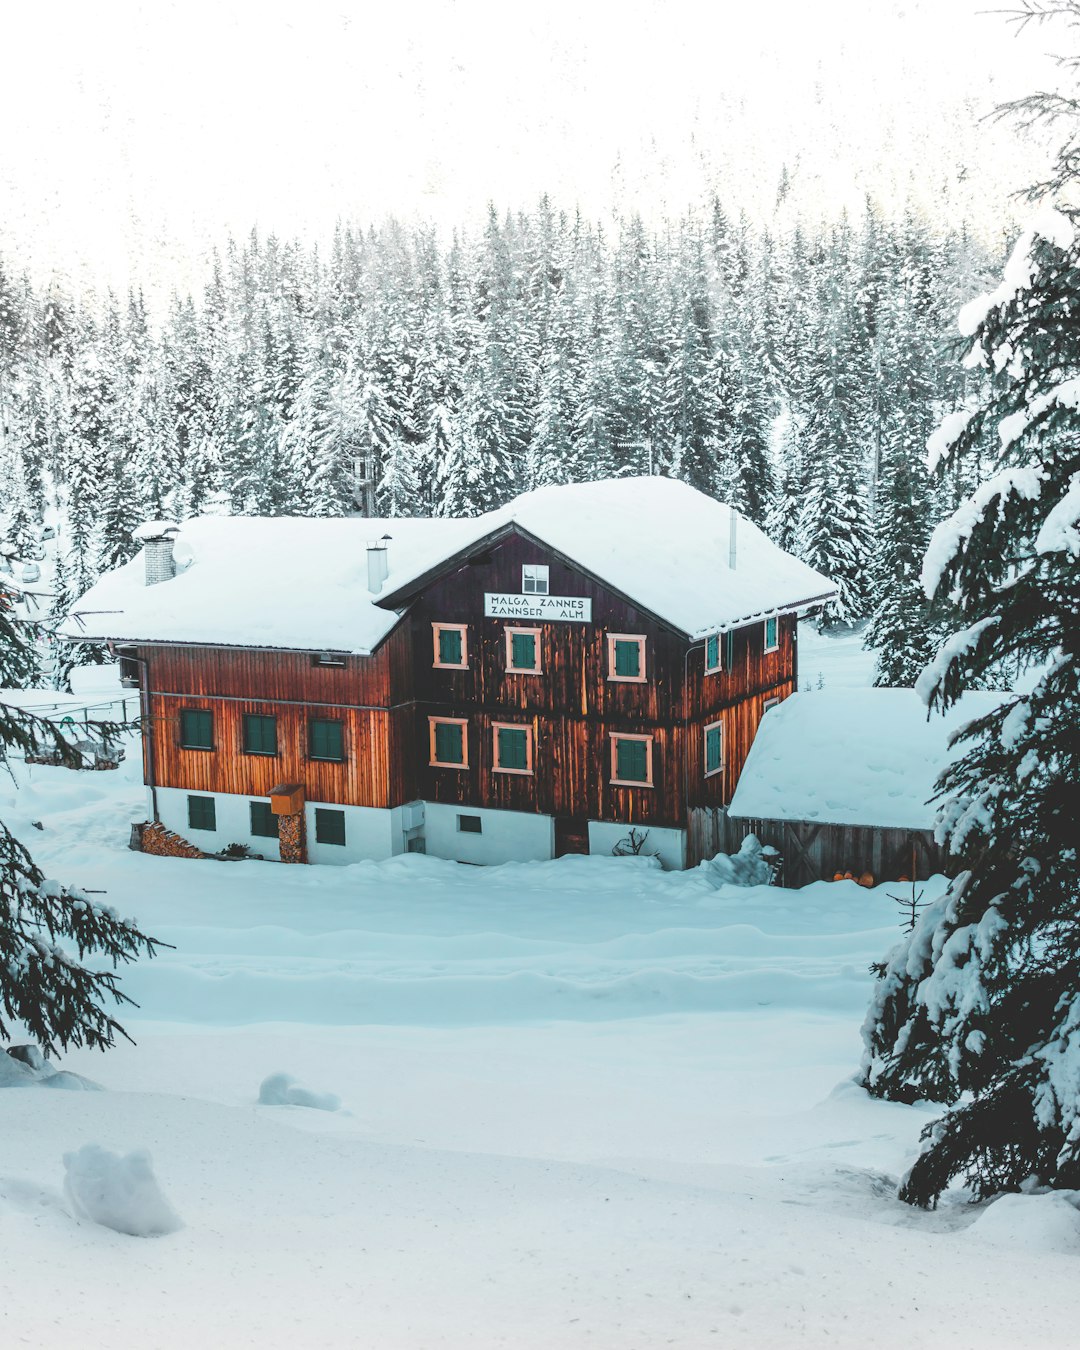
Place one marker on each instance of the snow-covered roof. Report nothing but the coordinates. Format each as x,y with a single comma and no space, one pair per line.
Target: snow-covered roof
301,583
852,757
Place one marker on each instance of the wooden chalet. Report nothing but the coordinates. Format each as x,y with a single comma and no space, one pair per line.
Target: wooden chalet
537,681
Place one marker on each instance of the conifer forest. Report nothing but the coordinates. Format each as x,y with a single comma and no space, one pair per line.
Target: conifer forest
794,374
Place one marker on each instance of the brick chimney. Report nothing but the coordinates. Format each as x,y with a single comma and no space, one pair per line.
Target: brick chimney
157,538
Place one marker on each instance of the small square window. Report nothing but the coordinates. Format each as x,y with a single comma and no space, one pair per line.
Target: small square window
263,821
769,703
513,748
631,760
714,749
327,659
260,734
626,657
451,645
201,813
329,826
772,634
449,743
196,729
713,654
470,825
325,740
523,651
534,579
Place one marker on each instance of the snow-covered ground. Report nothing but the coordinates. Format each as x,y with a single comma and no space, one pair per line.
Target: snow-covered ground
583,1103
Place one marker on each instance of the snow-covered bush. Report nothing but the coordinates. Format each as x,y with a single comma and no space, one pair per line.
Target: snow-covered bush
117,1192
280,1090
753,865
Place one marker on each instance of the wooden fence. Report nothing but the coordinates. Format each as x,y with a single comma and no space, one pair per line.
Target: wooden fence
812,851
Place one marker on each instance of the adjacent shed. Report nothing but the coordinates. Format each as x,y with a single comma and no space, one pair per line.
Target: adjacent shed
841,780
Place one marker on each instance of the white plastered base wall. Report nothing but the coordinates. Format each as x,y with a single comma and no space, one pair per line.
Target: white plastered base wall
669,845
373,833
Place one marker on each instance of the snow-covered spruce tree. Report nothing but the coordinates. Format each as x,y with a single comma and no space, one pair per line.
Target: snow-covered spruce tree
980,1006
47,990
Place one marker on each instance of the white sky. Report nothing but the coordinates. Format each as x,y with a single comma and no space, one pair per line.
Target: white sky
133,136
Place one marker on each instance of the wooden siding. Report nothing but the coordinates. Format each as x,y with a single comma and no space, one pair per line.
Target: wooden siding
813,851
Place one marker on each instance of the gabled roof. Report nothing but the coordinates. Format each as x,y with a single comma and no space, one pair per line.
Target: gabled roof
301,583
852,757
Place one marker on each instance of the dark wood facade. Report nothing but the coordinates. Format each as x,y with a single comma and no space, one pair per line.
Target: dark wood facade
384,702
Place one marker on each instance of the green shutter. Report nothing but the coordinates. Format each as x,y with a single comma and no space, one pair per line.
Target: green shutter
714,748
450,646
201,813
329,826
449,743
712,652
513,748
632,761
627,658
263,821
325,740
197,729
523,651
260,734
770,633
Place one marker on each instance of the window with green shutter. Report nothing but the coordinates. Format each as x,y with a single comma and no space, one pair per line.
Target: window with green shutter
325,740
712,653
329,826
632,759
714,749
201,813
196,729
450,645
260,734
447,742
263,821
772,634
627,658
523,651
512,749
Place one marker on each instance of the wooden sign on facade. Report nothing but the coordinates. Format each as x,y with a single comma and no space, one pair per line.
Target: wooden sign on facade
545,608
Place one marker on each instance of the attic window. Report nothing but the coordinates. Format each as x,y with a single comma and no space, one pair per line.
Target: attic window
534,579
772,634
327,659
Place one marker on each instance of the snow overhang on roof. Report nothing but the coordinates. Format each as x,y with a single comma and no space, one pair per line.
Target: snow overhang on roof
302,583
852,757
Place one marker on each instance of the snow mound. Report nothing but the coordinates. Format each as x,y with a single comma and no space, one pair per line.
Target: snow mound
117,1192
749,867
1031,1223
280,1090
26,1066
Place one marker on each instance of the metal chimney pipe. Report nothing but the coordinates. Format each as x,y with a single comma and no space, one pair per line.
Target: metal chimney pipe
733,523
378,566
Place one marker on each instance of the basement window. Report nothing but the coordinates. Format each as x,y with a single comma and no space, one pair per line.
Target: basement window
263,821
329,826
201,813
470,825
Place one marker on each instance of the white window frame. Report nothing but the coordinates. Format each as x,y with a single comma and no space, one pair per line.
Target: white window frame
719,640
712,726
433,760
640,639
526,727
539,575
615,737
775,619
463,629
534,633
